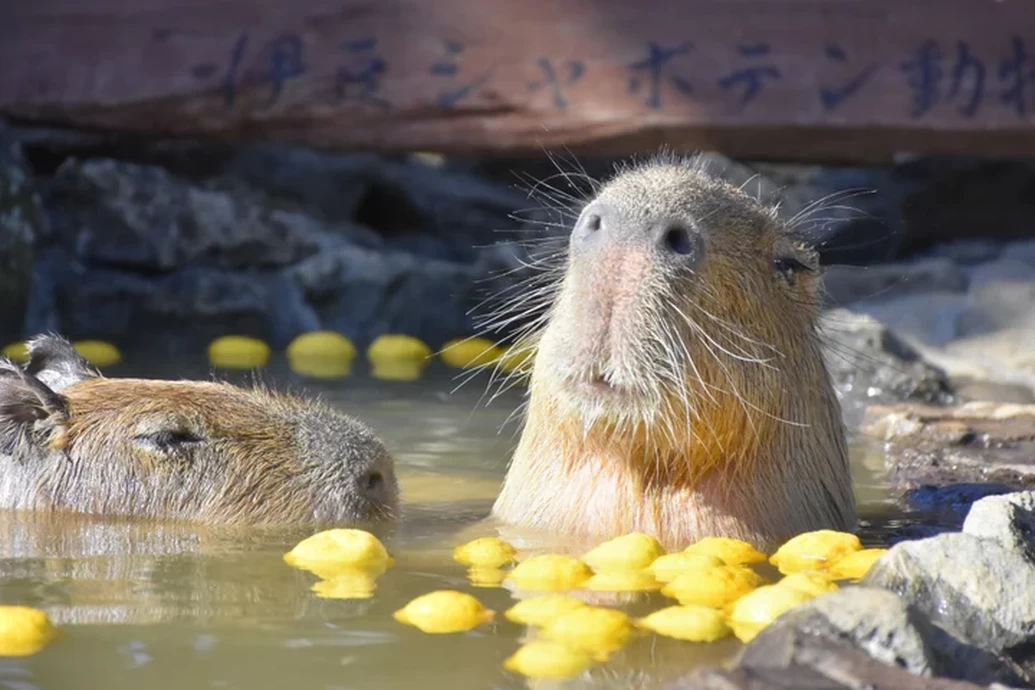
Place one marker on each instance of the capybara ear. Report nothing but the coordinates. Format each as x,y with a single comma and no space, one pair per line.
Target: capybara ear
29,410
54,361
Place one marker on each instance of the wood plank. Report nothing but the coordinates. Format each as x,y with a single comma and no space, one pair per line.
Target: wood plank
808,79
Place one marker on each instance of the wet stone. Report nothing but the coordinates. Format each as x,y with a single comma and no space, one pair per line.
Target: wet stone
884,626
1009,519
817,663
975,588
984,443
870,364
21,223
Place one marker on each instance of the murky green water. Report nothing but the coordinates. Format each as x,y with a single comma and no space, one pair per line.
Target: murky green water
171,606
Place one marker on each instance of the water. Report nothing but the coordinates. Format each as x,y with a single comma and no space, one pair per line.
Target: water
172,606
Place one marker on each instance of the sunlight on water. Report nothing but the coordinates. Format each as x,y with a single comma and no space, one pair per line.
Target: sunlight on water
175,606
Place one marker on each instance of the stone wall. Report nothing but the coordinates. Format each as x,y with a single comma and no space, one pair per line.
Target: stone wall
168,243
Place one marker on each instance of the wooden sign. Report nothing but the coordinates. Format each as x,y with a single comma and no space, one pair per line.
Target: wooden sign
809,79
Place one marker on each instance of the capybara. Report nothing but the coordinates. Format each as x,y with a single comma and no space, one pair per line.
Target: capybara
74,440
678,386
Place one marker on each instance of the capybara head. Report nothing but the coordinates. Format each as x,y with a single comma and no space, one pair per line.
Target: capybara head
676,282
74,440
679,385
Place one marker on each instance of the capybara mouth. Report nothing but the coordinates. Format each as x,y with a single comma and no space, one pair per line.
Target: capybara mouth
595,392
600,386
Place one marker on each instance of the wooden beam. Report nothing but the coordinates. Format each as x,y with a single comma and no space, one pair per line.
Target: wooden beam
804,79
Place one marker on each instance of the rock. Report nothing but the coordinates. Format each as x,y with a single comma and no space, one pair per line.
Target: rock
437,211
925,319
966,199
972,587
359,292
1006,269
1002,357
1001,296
1002,392
1009,519
143,218
264,240
885,627
817,663
978,336
969,251
978,442
364,293
177,311
1022,250
870,364
844,285
21,222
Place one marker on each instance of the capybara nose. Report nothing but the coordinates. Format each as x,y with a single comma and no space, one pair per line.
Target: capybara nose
668,238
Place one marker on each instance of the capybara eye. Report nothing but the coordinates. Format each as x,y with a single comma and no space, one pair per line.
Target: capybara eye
678,240
374,481
788,267
168,439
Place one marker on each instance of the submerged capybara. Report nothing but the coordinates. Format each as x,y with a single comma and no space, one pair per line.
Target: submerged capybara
678,386
73,440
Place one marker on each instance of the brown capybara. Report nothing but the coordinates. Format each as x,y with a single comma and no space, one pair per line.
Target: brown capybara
73,440
678,386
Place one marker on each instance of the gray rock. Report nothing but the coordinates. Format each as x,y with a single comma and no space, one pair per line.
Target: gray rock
870,364
844,285
434,211
974,588
927,319
1001,296
21,222
364,293
143,218
182,309
884,626
1009,519
969,251
1006,269
359,292
816,663
268,241
966,199
1022,250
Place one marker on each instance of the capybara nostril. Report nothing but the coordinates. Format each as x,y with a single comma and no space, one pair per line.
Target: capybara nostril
590,228
677,240
375,480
